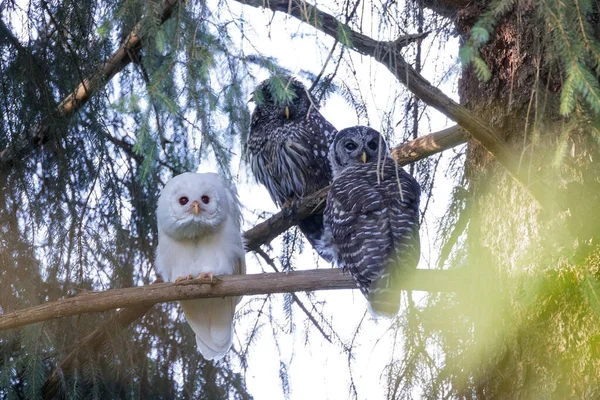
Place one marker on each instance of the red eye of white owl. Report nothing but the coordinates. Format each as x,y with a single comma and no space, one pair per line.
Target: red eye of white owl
205,199
183,200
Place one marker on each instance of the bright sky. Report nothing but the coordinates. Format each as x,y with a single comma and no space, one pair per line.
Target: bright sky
318,369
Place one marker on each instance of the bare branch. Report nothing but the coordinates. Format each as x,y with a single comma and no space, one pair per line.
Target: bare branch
222,286
388,54
446,8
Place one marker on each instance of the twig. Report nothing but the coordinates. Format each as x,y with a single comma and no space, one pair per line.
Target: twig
295,297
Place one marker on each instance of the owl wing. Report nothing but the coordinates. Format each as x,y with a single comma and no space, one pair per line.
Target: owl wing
372,223
290,159
293,162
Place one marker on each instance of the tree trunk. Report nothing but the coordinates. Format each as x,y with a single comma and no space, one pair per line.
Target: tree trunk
532,324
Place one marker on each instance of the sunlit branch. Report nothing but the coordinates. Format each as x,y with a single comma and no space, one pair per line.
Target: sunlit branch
406,153
428,145
388,54
222,286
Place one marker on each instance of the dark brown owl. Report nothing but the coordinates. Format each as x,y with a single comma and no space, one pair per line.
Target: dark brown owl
288,146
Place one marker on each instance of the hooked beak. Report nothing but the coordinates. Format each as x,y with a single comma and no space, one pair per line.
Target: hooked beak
251,99
363,157
287,112
196,207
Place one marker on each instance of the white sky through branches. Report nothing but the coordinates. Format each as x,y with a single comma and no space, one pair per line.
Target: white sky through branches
317,369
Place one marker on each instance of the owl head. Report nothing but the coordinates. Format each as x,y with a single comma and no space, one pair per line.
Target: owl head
281,99
192,205
355,145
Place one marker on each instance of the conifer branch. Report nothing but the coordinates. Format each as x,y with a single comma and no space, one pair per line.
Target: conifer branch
221,286
446,8
91,342
82,93
388,54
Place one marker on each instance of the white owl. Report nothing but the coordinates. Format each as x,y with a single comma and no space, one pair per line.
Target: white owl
199,235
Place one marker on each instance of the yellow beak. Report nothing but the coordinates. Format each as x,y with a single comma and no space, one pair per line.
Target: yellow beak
363,157
287,112
196,207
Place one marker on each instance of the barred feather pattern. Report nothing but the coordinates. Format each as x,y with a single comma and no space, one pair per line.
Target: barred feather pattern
372,228
289,155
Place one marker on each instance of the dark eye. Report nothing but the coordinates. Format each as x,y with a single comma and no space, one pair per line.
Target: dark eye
350,146
183,200
205,199
372,145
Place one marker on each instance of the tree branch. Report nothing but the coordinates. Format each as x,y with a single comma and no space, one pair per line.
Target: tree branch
388,54
222,286
428,145
446,8
261,234
91,342
82,93
406,153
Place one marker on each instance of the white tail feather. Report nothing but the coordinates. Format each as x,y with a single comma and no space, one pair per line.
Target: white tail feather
212,321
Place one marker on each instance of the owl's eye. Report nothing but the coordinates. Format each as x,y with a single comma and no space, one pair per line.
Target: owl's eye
372,145
183,200
205,199
350,146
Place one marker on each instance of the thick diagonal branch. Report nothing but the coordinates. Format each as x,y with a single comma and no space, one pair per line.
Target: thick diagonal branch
406,153
222,286
82,93
388,54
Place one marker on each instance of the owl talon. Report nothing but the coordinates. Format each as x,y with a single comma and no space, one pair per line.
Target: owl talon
207,275
289,208
184,278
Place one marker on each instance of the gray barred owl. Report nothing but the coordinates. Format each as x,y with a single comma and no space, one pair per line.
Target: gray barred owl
371,217
288,146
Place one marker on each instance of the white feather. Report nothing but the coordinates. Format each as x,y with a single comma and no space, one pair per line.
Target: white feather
211,242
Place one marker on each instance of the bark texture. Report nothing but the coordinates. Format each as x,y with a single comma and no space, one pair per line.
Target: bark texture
516,350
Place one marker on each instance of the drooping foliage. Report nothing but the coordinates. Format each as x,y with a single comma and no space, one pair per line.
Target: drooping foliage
78,192
78,212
